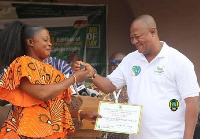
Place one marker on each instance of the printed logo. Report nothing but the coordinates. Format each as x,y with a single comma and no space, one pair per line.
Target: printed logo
173,104
136,70
159,70
120,106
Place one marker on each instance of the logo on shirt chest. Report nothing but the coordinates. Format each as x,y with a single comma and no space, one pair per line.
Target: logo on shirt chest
159,70
136,70
173,104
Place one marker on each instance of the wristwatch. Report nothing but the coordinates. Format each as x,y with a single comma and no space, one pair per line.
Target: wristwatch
95,73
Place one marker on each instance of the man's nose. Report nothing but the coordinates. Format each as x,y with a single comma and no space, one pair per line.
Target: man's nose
134,40
117,63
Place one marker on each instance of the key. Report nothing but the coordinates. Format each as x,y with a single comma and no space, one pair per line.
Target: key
82,67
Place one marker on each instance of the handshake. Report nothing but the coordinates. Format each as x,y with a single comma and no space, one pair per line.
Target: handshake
84,71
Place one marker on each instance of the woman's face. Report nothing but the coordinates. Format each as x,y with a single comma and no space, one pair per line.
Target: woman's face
40,46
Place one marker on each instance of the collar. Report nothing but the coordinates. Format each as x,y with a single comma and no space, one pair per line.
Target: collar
163,52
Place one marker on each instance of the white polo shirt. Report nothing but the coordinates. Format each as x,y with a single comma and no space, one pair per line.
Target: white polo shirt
169,76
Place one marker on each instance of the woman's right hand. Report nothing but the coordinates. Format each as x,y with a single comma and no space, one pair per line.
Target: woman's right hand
77,65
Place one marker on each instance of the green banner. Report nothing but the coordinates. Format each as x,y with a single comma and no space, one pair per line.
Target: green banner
66,40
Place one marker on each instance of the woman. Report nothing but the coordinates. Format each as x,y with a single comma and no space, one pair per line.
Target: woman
38,92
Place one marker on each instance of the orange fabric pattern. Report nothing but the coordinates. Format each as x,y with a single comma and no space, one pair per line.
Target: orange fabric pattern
32,118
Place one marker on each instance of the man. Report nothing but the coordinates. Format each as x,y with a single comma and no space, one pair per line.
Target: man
72,57
158,77
117,96
60,65
120,95
114,60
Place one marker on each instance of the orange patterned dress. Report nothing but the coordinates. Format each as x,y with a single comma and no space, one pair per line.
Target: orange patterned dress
31,118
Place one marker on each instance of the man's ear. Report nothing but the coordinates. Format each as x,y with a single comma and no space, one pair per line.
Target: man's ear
29,42
152,30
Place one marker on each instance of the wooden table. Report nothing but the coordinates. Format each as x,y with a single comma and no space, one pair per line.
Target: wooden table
87,129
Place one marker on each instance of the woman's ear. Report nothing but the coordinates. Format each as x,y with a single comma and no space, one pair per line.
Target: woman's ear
29,42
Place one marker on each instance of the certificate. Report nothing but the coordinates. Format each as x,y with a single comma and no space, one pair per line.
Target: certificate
119,118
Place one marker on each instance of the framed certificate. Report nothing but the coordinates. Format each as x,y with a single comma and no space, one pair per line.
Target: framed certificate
119,118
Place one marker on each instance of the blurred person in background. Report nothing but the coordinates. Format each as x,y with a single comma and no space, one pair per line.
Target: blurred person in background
118,96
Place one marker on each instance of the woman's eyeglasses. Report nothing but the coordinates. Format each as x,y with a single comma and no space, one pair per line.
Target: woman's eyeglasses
114,62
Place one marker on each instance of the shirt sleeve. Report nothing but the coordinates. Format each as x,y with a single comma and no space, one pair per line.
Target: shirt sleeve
117,77
186,80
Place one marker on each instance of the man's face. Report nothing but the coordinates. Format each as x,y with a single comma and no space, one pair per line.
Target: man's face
114,61
141,37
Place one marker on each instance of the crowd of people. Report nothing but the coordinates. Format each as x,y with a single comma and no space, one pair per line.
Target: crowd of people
154,76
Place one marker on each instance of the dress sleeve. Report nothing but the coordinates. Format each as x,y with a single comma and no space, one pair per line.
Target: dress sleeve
37,72
19,68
